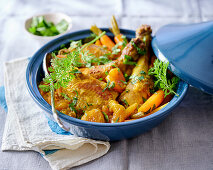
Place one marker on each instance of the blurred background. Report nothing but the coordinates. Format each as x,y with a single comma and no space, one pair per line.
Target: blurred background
16,43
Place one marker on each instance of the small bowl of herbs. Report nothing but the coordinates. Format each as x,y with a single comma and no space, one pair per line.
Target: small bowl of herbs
46,27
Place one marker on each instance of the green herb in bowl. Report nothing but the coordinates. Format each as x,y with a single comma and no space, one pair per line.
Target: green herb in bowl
41,27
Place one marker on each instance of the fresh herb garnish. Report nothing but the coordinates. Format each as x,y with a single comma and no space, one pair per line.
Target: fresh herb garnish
159,71
142,72
61,73
107,85
102,60
112,85
89,104
124,41
75,71
141,78
135,78
63,70
148,111
126,103
127,90
106,117
117,120
90,38
154,107
126,76
41,27
127,60
74,102
141,52
144,100
65,96
116,49
124,82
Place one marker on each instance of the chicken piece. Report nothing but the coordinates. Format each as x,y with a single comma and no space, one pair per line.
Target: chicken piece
91,52
89,93
138,87
99,51
94,115
139,84
144,32
61,104
130,50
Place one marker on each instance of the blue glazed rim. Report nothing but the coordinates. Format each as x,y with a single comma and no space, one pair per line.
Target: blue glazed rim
36,61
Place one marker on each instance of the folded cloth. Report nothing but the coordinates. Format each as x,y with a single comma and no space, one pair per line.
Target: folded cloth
26,127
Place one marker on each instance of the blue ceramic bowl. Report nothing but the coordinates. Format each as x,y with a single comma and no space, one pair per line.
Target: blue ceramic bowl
100,131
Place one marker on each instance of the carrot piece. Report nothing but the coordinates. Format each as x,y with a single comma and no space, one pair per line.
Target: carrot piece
131,109
98,42
116,76
154,101
105,40
118,38
116,31
159,108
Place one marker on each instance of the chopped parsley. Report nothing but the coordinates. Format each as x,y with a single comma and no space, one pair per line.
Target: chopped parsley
103,59
144,100
127,60
141,52
124,82
124,41
65,96
126,103
90,38
135,78
74,102
116,49
150,110
126,76
117,120
112,85
109,85
142,72
89,104
127,90
138,77
106,117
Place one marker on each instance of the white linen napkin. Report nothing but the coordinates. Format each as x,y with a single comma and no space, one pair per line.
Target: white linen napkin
26,127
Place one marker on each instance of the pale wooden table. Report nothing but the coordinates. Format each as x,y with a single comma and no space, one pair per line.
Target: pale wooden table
183,141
